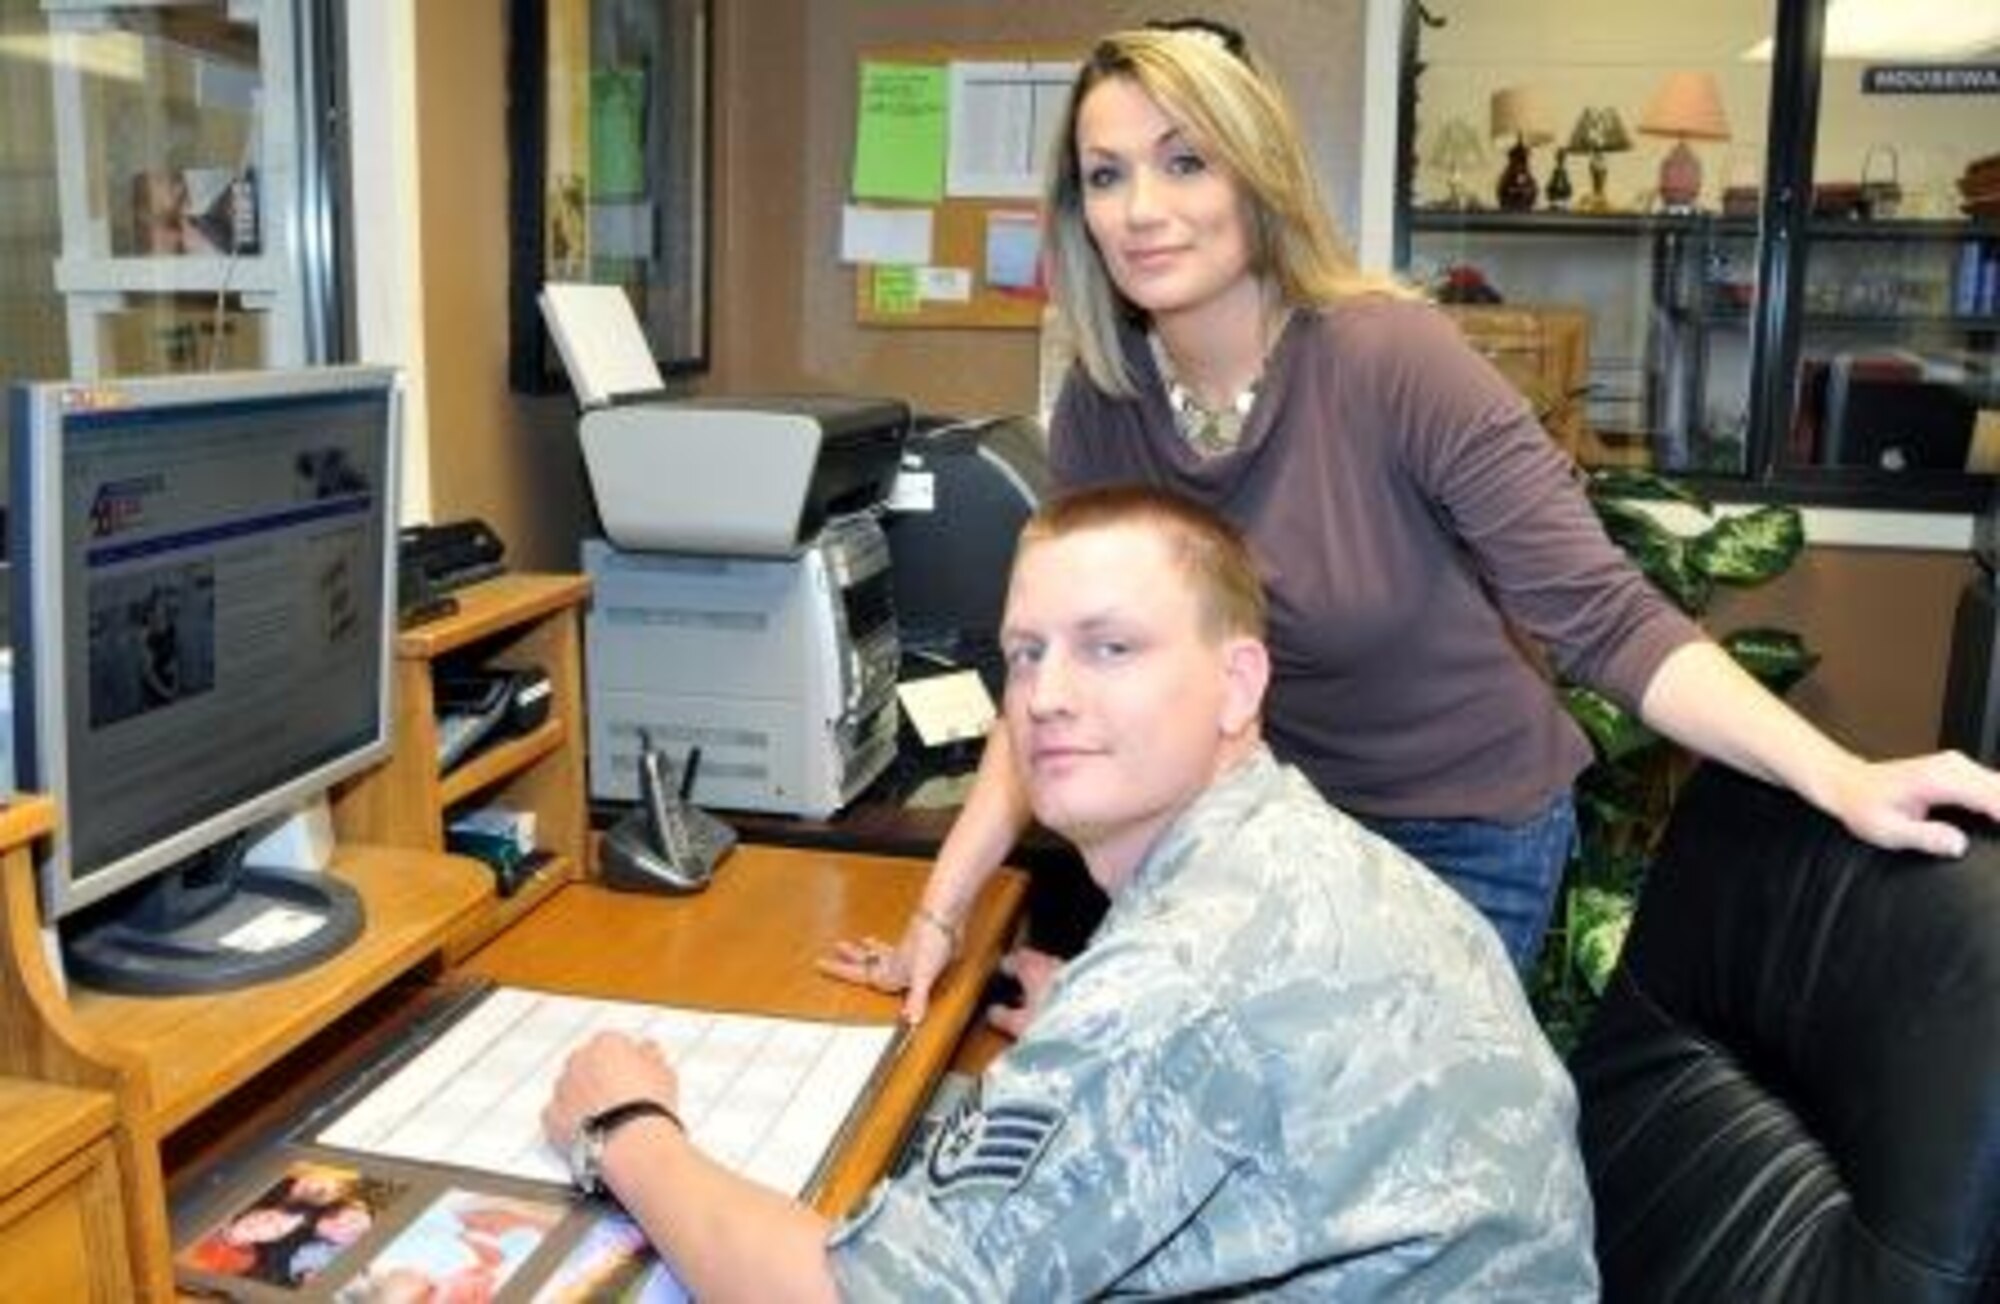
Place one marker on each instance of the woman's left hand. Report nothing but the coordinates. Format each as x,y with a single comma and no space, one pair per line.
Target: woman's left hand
1890,803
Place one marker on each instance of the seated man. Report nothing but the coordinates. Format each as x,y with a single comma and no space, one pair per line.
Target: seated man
1290,1061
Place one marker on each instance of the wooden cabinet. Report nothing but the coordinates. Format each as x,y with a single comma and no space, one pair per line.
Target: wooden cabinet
512,621
167,1063
62,1222
1543,351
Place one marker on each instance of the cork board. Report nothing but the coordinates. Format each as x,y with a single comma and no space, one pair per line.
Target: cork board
961,229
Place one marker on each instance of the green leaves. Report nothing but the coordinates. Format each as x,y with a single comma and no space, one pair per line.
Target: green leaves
1778,658
1749,549
1738,550
1623,801
1661,554
1599,920
1615,732
1612,483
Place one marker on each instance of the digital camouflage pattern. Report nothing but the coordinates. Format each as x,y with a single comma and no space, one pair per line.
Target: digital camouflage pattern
1290,1063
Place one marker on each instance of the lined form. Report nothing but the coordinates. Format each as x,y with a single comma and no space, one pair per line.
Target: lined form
765,1096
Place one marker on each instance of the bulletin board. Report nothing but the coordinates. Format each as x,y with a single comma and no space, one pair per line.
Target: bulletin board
959,224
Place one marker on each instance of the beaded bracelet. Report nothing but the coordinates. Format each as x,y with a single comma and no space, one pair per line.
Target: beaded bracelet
939,922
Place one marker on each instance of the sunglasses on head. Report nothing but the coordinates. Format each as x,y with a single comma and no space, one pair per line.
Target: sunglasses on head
1221,33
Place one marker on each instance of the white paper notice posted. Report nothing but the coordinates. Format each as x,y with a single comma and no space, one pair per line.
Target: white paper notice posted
768,1097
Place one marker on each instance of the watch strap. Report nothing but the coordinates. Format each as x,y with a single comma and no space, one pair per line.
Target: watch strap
605,1120
587,1162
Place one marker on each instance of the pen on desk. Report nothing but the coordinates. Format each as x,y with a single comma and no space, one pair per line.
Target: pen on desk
687,773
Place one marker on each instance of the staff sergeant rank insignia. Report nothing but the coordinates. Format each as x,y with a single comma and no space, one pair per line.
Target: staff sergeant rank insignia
990,1147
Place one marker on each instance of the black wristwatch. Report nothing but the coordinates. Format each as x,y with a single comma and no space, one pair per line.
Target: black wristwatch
586,1148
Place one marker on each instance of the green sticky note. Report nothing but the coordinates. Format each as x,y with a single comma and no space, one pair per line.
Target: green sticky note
899,132
895,289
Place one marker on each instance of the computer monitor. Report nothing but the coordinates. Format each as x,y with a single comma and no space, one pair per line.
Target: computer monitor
1888,415
204,603
953,549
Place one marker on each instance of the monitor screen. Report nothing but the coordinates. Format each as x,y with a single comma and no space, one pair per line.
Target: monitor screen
953,554
204,608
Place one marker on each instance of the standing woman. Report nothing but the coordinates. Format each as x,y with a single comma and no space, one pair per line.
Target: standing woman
1409,514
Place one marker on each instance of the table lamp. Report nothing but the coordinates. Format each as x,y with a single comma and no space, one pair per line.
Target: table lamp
1518,112
1687,106
1598,131
1454,150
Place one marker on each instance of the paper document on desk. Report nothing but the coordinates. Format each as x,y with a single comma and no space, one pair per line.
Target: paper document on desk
768,1097
947,708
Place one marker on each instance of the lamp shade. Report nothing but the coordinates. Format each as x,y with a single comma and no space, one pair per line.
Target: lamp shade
1687,105
1599,130
1457,146
1518,113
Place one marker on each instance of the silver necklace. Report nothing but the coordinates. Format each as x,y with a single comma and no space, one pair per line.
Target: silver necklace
1211,430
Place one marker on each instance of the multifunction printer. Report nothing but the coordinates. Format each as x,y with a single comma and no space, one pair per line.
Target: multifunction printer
742,601
742,604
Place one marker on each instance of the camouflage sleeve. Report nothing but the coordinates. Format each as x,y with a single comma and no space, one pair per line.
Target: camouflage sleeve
1084,1151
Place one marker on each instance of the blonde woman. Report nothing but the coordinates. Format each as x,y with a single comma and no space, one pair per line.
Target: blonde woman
1410,516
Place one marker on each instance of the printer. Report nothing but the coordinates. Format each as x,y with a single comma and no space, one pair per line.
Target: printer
742,599
741,596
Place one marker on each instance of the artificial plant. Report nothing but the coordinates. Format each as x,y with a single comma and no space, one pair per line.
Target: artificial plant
1624,798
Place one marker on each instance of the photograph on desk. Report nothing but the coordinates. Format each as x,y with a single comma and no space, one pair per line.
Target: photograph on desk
613,1261
302,1226
466,1245
295,1228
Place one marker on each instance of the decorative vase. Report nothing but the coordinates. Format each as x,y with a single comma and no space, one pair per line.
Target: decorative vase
1558,191
1517,189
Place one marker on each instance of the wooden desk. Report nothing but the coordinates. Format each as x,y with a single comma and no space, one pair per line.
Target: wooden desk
166,1061
1063,904
62,1221
748,943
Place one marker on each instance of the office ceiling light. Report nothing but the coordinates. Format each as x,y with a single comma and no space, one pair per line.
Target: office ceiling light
1902,29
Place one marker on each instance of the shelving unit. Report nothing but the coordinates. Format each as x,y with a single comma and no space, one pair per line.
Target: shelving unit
165,1063
512,621
62,1220
1671,299
161,45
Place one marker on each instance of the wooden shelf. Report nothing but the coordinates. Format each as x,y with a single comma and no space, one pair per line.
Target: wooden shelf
168,274
492,607
62,1223
502,760
192,1050
164,1061
504,912
511,620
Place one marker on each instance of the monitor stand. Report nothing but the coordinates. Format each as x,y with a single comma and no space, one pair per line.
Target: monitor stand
211,923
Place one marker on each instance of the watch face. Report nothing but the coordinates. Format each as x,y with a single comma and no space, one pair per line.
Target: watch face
584,1151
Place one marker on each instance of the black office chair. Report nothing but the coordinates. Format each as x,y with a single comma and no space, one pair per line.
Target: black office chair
1792,1088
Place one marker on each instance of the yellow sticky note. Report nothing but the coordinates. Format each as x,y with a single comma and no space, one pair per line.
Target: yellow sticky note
899,132
895,289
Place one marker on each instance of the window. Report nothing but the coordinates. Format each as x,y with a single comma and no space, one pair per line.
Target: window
1719,239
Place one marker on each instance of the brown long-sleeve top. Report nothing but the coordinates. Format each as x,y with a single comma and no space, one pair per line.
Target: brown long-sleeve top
1406,509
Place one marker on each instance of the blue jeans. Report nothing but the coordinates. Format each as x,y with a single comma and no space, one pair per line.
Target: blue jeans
1511,872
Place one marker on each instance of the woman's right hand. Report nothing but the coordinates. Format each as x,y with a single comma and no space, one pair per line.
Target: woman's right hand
911,966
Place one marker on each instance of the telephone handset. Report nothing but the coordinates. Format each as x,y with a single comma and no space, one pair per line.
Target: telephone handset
664,807
668,844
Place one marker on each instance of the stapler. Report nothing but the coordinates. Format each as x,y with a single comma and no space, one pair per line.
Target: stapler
665,844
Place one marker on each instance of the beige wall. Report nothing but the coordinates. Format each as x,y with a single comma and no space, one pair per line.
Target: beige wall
783,309
785,102
493,453
1881,621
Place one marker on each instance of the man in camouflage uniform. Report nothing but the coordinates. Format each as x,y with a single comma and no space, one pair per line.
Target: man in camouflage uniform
1291,1062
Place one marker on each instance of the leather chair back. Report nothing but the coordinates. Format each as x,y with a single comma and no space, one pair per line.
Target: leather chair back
1792,1088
